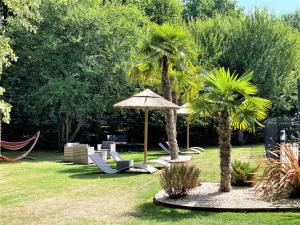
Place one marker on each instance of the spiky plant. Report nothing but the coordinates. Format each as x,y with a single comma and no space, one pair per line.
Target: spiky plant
179,179
243,174
281,177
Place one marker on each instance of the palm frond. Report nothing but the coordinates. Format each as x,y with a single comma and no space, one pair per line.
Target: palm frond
250,112
228,92
172,41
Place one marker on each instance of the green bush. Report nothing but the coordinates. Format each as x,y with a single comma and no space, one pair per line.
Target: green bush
243,174
179,179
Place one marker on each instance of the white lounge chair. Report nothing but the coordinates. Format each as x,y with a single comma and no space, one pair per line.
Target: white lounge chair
185,151
118,157
101,164
189,148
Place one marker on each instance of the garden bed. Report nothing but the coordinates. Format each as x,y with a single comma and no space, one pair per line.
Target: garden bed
207,198
180,159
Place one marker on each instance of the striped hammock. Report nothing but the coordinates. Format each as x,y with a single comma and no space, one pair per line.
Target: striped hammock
14,146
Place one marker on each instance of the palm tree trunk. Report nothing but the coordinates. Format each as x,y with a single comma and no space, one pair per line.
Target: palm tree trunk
174,100
225,151
170,116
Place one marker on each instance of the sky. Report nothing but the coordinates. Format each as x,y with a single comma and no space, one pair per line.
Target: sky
276,6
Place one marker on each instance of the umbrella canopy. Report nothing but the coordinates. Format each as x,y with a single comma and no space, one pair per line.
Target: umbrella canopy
147,100
185,109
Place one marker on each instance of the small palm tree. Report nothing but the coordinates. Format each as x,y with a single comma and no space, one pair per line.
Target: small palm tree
165,52
230,100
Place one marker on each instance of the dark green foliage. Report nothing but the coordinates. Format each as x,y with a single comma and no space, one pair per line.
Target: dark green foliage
213,38
293,19
179,179
13,13
261,43
208,8
161,11
76,66
243,174
158,11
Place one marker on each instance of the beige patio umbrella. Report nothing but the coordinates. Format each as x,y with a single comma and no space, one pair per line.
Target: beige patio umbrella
186,110
146,100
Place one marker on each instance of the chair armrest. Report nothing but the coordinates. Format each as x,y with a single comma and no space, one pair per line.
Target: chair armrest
112,147
124,164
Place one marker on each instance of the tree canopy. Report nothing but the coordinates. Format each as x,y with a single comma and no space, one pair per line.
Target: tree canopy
76,65
261,43
204,9
13,13
73,66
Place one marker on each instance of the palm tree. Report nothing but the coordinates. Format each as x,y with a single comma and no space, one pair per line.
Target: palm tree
166,51
230,100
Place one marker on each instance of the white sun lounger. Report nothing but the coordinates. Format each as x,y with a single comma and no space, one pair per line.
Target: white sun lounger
192,150
118,157
101,164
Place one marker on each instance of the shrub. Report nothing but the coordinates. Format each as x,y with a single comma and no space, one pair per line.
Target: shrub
281,178
179,179
243,174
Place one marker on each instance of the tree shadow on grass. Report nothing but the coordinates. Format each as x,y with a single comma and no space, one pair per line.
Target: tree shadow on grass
149,211
91,172
95,175
34,157
154,213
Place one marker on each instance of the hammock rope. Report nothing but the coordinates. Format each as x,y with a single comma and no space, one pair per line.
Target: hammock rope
13,146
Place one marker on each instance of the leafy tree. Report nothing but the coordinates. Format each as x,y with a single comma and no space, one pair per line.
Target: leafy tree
273,56
161,11
77,62
22,13
265,45
213,38
5,109
158,11
231,101
293,19
166,50
208,8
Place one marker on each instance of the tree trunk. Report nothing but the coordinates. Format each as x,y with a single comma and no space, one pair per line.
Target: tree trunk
67,123
0,133
225,151
170,116
174,100
59,133
79,125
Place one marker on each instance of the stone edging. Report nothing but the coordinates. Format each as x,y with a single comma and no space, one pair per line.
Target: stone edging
213,209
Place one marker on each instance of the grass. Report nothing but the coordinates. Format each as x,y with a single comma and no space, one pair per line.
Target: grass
48,191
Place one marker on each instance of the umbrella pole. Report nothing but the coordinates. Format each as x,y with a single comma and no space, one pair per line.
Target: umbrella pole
146,137
187,135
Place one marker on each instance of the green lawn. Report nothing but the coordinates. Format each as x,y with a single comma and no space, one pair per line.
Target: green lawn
48,191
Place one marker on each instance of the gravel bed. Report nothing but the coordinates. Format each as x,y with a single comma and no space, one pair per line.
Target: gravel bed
207,197
180,159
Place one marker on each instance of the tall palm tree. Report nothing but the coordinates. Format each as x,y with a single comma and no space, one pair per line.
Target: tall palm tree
167,50
230,100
